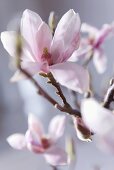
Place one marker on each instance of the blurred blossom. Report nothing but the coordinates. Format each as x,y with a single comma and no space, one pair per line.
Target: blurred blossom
91,45
37,141
42,52
101,121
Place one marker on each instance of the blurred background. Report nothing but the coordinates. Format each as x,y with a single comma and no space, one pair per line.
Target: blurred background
17,100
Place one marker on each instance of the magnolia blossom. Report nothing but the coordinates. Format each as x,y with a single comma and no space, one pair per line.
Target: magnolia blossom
91,45
101,121
47,53
37,141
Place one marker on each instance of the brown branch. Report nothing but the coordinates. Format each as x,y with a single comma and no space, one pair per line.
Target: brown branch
43,93
109,97
57,86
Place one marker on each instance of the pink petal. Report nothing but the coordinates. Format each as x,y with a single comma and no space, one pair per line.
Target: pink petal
96,118
68,30
56,156
32,67
100,61
35,149
72,76
27,54
8,39
33,142
57,49
57,127
105,32
44,38
35,125
17,141
30,23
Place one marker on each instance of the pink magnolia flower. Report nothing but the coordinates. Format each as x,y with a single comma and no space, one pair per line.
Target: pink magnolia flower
92,45
37,141
101,121
44,52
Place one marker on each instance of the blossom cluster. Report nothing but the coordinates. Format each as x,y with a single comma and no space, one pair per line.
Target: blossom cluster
53,54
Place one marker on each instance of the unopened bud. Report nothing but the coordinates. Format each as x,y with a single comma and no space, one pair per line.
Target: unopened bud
111,82
87,94
83,133
52,21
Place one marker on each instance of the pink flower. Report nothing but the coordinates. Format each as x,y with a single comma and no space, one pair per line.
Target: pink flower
37,141
101,121
92,45
47,53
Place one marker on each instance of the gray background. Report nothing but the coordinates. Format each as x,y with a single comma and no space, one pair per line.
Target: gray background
13,109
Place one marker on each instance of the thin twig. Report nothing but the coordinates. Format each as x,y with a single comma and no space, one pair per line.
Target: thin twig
57,86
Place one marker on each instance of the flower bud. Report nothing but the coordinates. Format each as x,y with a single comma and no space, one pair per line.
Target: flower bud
83,133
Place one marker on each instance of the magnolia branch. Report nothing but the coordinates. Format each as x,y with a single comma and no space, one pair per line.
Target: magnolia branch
57,86
43,93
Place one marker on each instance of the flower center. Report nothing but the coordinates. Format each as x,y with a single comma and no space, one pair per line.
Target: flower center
45,142
91,41
46,56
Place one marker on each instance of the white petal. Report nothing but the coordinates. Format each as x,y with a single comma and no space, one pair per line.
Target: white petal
96,118
56,156
72,76
17,141
8,39
57,127
86,28
35,125
100,61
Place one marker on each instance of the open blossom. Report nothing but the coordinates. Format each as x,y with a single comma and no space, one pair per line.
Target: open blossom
101,121
47,53
37,141
91,44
